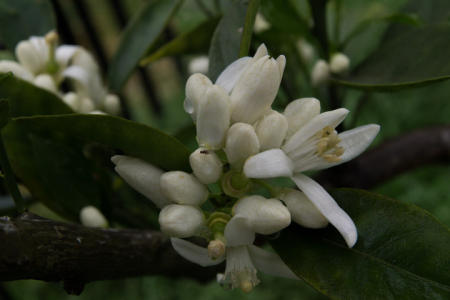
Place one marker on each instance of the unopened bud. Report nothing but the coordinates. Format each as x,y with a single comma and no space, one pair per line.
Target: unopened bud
320,73
216,249
112,104
90,216
306,50
303,210
261,23
142,176
339,63
265,216
256,89
183,188
196,88
206,165
299,112
271,130
199,65
241,143
213,118
181,220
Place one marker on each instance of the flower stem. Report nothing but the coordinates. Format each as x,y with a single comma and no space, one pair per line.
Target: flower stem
250,16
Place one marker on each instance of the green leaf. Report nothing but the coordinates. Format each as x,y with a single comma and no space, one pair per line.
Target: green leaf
284,16
132,138
401,253
20,19
191,42
143,30
4,112
413,57
226,41
25,99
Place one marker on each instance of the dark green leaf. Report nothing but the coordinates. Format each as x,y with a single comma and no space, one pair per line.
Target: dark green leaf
20,19
283,15
4,112
132,138
26,99
138,37
402,252
414,57
191,42
226,41
66,176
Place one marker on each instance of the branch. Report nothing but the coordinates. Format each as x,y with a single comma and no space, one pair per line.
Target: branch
403,153
42,249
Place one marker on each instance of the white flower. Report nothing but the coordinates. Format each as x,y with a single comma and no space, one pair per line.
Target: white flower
90,216
251,215
339,63
271,130
320,73
315,146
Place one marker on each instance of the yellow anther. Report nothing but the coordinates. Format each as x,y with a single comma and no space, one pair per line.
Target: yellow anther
246,286
327,146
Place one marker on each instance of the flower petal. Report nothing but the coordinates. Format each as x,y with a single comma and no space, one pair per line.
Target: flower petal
354,142
329,118
194,253
65,53
328,207
238,233
17,69
230,76
269,263
269,164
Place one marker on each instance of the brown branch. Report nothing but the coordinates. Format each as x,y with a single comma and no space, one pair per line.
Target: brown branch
36,248
403,153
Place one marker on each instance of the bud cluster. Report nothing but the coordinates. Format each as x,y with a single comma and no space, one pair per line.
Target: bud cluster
46,65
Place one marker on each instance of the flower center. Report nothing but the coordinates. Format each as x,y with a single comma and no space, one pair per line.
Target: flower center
235,184
327,146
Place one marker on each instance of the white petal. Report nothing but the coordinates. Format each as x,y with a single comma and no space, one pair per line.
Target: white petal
264,216
15,68
299,112
142,176
269,164
238,233
328,207
196,87
354,142
302,210
206,165
213,118
230,76
46,82
281,60
181,221
194,253
329,118
183,188
269,263
64,54
271,130
33,54
241,142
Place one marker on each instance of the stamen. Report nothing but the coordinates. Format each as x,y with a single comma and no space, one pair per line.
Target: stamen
216,249
240,272
327,146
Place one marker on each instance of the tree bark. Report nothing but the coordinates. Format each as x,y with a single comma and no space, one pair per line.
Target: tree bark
393,157
33,247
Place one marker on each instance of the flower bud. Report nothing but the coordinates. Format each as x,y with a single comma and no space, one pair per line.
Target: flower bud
206,165
46,82
264,216
213,118
256,90
306,50
86,105
33,54
196,88
339,63
90,216
216,249
72,100
199,65
261,23
181,220
320,73
303,210
183,188
15,68
112,104
241,143
299,112
142,176
271,130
